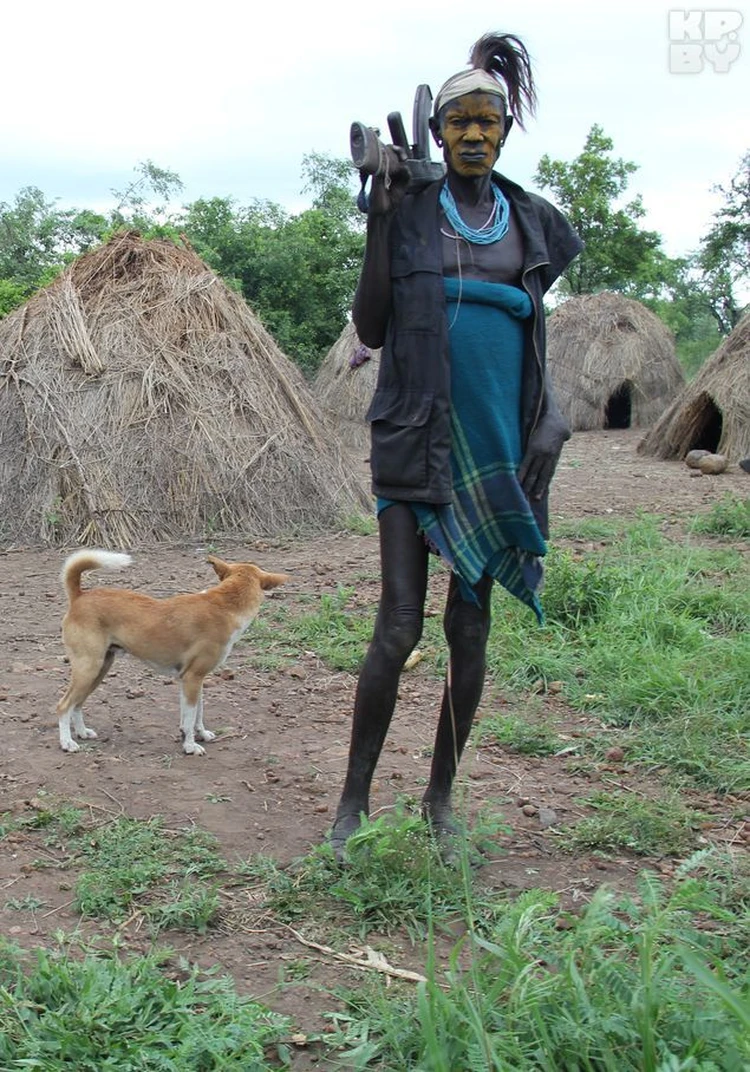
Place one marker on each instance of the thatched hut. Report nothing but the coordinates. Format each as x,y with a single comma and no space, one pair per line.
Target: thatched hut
344,386
141,400
713,411
612,362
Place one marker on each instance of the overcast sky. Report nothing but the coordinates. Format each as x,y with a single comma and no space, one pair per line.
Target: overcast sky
232,96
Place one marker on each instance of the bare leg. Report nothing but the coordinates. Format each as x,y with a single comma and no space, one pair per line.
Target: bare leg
398,627
467,628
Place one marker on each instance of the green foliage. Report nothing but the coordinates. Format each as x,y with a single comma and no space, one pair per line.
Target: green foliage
625,986
11,296
625,821
394,878
730,516
131,866
652,636
101,1013
297,272
527,736
724,255
618,254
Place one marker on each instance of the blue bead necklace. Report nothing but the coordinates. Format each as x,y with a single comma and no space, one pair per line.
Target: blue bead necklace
493,230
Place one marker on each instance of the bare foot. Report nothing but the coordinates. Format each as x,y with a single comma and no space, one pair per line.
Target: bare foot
344,826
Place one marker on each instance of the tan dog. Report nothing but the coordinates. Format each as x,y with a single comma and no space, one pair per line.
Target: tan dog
186,635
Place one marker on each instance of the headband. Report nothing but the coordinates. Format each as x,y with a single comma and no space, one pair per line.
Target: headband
468,82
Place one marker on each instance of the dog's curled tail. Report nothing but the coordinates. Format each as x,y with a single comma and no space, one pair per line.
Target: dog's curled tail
82,561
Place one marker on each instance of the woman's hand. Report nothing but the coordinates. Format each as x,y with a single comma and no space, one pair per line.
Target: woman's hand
387,190
542,454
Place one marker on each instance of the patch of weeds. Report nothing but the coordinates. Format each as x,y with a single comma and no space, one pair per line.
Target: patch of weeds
528,737
29,903
9,824
730,516
651,634
338,630
578,591
625,821
394,878
136,866
627,984
101,1011
360,524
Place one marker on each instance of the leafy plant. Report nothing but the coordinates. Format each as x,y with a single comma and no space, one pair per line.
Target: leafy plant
605,990
131,866
102,1012
730,516
625,821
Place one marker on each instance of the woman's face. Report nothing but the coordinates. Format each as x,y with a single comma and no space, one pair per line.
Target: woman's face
472,129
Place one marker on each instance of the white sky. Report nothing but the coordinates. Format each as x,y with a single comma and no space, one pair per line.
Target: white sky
231,96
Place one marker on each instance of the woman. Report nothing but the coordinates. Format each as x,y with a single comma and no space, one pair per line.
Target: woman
465,431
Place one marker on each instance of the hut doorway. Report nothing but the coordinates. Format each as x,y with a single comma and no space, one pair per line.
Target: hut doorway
618,410
708,425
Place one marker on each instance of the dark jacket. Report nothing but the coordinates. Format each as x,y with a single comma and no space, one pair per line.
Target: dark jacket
410,410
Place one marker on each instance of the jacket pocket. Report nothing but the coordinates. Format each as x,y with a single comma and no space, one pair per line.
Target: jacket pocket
400,437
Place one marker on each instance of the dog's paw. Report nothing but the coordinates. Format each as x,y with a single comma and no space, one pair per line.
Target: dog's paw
206,735
70,745
193,749
86,734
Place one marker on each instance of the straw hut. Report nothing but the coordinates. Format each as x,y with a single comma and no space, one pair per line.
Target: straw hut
612,362
142,400
344,386
713,411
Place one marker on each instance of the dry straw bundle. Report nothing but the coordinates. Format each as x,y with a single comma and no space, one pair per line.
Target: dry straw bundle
345,384
142,400
713,411
612,362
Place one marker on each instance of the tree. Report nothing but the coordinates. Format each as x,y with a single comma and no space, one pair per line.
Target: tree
37,239
618,254
297,272
723,259
134,208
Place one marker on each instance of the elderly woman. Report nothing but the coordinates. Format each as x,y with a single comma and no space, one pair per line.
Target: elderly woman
465,431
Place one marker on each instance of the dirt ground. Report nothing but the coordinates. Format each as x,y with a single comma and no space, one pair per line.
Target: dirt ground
270,782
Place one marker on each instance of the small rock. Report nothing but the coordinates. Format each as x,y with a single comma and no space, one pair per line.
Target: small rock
713,464
547,817
528,809
615,755
693,457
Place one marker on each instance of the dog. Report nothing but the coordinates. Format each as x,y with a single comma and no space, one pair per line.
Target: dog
186,635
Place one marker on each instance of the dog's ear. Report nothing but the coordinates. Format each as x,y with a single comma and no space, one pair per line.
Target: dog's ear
271,580
221,568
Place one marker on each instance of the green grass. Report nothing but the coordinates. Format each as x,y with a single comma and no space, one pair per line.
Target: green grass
632,823
728,517
629,983
647,635
532,736
651,636
394,880
134,866
98,1012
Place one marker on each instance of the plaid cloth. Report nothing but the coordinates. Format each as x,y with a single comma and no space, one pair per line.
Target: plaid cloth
489,527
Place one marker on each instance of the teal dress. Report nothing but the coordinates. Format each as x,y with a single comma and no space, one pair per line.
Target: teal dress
489,526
